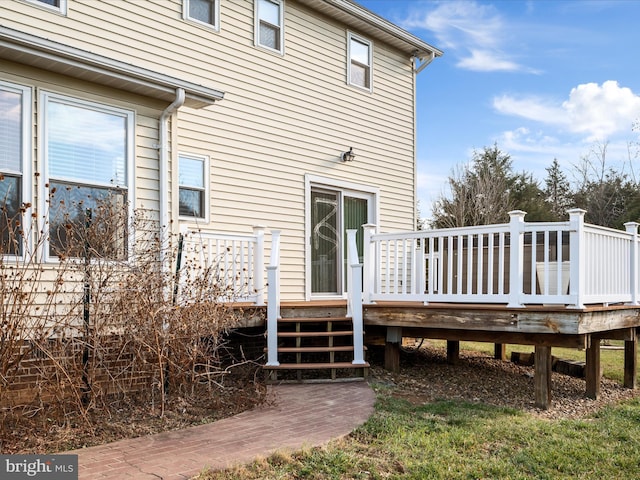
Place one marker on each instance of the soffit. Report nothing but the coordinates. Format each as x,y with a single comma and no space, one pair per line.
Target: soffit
58,58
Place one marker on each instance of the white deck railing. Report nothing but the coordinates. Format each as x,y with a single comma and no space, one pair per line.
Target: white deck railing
233,263
517,263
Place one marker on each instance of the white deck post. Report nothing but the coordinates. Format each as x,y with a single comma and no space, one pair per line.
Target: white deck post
273,300
516,258
577,256
369,263
258,264
632,229
354,291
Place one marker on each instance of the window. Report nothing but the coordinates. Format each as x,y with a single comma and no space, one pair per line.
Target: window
192,186
55,5
269,20
205,12
15,105
88,155
360,62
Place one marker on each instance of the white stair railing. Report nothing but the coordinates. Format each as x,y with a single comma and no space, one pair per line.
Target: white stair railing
273,300
354,297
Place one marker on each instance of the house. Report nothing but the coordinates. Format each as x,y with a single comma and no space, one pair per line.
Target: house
224,120
227,118
217,116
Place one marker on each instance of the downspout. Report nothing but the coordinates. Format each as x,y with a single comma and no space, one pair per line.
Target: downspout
416,69
163,182
414,73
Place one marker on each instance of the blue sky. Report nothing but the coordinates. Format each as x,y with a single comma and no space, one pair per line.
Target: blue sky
543,79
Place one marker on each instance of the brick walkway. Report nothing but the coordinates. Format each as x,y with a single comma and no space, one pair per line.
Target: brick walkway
302,415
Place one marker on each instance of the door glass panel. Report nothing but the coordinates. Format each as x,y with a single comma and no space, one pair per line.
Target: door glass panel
355,215
325,251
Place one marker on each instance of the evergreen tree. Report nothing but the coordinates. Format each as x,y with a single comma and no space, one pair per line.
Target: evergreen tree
557,192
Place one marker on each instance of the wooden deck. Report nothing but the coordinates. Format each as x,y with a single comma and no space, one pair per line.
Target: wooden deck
540,326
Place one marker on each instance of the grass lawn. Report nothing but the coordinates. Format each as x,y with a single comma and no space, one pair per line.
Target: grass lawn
462,440
450,440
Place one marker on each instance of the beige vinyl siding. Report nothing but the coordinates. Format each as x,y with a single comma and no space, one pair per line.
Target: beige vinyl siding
282,116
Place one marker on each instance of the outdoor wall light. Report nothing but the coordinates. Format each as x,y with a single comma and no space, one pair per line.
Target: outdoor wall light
348,156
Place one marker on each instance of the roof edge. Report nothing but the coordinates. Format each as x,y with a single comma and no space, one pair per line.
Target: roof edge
131,77
422,48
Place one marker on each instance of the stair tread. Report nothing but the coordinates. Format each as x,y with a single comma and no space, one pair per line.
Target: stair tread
335,333
313,366
319,349
314,319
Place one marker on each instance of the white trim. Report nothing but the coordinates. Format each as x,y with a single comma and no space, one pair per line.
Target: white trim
62,9
371,193
256,26
26,177
71,61
353,36
43,103
205,190
212,26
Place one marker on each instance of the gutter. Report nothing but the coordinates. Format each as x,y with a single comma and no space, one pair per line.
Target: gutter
357,11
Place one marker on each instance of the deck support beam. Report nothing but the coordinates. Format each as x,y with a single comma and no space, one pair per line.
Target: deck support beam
392,349
500,351
592,372
631,362
542,377
453,352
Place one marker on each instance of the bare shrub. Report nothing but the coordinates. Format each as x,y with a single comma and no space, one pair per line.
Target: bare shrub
105,324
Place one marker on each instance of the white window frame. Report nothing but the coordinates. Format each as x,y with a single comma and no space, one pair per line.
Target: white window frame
44,98
205,190
256,33
352,36
62,9
213,26
25,174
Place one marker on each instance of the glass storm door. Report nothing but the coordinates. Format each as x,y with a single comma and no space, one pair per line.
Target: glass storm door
332,214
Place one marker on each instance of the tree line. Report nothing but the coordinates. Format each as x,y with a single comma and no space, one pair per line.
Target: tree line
484,190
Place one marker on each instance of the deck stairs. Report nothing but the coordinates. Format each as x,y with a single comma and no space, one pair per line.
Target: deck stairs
315,349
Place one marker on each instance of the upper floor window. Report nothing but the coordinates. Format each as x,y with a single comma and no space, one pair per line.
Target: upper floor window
88,157
192,186
269,24
55,5
360,62
15,105
206,12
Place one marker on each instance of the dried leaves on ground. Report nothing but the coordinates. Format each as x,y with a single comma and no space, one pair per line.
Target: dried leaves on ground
38,431
426,376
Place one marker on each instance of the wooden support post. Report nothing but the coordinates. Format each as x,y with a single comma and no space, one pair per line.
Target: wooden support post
631,362
392,349
542,377
500,351
592,373
453,352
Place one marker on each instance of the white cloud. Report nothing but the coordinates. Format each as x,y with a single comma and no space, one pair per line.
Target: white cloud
487,61
597,111
473,32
